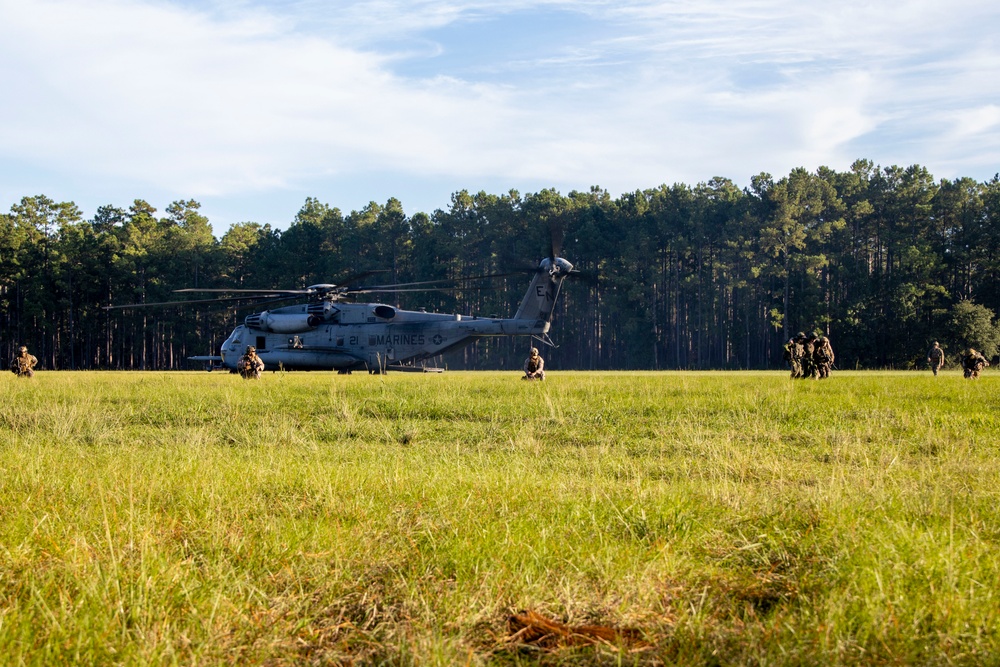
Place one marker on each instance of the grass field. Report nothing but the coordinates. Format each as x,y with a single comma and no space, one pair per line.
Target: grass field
311,518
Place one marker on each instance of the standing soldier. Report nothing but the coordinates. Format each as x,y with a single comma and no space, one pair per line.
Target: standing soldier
23,365
786,353
250,366
972,364
823,357
935,357
809,369
794,353
534,366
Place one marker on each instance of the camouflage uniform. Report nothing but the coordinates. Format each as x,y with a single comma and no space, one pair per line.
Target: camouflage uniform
250,366
823,357
23,365
534,366
809,369
795,351
935,357
972,364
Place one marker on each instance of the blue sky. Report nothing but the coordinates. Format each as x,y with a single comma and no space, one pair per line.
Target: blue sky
250,106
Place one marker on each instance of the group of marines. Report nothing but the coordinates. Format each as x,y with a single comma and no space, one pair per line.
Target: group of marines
973,362
809,356
812,357
250,365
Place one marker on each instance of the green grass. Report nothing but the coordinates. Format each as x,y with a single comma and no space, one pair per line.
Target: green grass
311,518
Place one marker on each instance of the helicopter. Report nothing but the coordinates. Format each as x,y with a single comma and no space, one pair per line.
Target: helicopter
329,332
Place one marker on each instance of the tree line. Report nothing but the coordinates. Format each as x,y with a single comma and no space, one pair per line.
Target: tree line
883,260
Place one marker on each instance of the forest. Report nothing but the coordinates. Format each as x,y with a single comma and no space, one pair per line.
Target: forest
883,260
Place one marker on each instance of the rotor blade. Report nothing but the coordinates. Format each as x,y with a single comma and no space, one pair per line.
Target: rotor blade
309,292
589,277
421,289
271,300
354,277
291,292
221,290
557,235
354,290
162,304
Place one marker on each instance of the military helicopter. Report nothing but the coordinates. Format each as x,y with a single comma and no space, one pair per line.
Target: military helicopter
331,333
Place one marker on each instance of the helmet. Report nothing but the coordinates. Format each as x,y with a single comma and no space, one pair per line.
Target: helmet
251,348
534,351
800,335
22,349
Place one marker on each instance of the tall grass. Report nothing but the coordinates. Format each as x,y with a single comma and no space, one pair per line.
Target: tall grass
728,518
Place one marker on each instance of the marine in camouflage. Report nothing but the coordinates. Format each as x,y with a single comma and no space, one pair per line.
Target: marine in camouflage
973,364
935,357
795,352
23,365
534,366
250,366
823,357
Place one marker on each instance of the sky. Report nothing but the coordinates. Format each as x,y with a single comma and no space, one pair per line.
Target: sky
251,106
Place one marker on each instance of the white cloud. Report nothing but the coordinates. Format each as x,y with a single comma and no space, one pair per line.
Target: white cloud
147,89
977,121
238,97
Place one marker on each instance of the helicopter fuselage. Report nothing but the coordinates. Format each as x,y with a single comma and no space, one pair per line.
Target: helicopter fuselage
371,341
329,335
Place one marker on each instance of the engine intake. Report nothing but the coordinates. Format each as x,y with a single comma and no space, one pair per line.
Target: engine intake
283,323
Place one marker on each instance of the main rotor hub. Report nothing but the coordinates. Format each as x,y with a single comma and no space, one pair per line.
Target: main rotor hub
555,266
